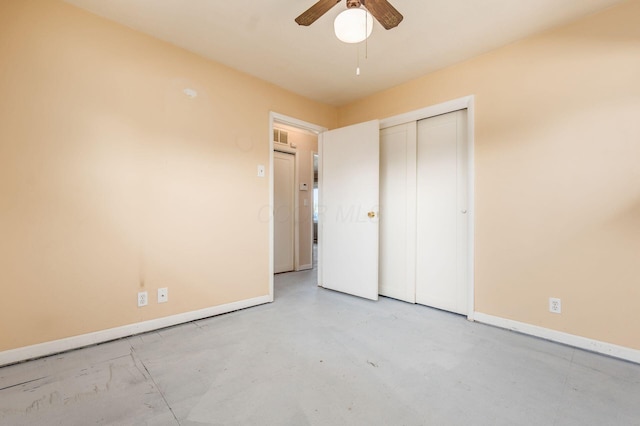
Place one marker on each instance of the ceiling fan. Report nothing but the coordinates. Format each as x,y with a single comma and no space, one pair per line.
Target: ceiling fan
382,10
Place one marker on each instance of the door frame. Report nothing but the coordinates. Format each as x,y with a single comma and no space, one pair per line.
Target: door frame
467,103
275,117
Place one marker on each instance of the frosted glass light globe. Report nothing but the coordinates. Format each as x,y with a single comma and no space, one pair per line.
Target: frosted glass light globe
353,25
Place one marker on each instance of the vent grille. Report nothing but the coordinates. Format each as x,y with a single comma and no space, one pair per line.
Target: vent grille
281,136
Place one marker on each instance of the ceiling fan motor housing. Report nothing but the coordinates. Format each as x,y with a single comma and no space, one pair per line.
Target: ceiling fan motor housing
353,3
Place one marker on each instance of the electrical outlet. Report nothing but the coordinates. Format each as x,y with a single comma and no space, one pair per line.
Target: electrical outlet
555,305
143,299
163,295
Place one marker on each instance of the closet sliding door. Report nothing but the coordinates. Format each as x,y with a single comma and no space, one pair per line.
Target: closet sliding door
441,234
423,208
398,212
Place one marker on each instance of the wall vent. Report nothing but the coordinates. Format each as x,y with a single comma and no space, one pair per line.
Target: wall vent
281,136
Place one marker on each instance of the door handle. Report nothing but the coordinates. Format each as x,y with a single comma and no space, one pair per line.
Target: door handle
464,212
371,215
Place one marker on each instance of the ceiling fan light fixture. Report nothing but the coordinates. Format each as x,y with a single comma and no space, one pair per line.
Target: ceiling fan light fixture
353,25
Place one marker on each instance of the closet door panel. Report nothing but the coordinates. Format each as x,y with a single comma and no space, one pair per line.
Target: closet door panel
397,211
439,235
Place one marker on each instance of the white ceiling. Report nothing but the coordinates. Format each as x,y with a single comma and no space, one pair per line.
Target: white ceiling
261,38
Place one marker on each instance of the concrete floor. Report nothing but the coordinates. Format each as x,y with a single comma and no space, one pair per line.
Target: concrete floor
316,357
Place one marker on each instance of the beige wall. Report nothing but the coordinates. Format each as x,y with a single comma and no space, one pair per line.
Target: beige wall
113,181
557,172
304,144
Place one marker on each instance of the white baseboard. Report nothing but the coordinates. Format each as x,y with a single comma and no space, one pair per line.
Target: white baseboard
305,267
48,348
609,349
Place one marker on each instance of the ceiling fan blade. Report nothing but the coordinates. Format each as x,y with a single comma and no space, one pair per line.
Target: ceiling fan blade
382,10
310,16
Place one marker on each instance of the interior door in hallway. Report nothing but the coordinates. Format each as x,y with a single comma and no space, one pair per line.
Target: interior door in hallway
442,205
348,225
284,201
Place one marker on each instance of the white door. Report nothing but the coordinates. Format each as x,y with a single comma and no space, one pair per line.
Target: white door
283,196
348,226
398,212
441,266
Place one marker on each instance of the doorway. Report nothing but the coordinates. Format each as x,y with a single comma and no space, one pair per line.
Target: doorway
297,138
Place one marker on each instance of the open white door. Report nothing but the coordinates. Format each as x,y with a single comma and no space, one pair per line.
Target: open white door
348,209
